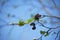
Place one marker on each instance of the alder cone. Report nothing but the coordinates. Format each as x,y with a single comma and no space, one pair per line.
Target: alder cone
33,28
37,16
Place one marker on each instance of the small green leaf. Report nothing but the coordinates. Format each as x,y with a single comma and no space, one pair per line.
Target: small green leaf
46,34
42,32
30,20
21,23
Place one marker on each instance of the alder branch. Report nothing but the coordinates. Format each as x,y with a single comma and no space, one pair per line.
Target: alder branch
57,35
48,30
46,26
50,16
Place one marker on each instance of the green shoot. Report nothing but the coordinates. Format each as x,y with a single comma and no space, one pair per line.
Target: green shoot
21,23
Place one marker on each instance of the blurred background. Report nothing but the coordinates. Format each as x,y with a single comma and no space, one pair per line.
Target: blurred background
11,11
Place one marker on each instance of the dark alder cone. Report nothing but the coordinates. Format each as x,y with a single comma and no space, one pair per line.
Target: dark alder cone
33,28
33,24
37,16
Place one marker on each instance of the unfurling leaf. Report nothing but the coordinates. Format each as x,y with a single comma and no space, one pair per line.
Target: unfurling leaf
46,34
26,22
30,20
42,32
21,23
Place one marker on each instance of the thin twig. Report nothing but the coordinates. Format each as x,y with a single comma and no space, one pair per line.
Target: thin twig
50,16
46,26
50,29
12,24
57,35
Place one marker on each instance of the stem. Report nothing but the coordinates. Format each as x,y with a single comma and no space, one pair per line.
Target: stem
51,16
46,26
49,29
14,24
57,35
8,25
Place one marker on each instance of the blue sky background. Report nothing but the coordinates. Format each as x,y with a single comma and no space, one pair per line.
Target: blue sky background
23,10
